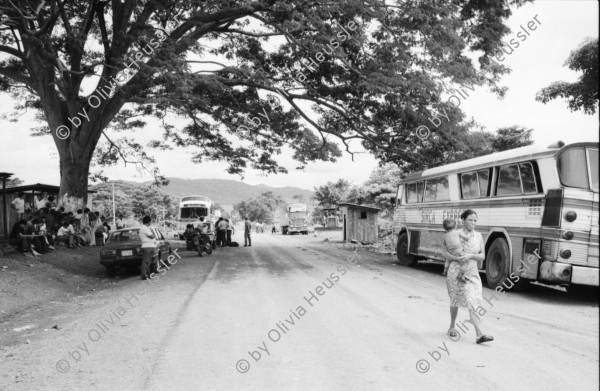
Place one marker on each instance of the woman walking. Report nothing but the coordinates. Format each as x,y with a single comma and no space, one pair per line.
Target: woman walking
466,291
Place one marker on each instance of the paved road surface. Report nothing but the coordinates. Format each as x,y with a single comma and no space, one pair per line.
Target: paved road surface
252,319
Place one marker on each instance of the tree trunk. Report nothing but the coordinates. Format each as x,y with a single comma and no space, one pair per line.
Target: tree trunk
74,171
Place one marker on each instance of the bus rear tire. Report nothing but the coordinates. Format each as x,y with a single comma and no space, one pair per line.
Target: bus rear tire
497,268
404,258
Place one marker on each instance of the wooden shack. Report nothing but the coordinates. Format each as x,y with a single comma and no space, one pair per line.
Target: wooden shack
359,222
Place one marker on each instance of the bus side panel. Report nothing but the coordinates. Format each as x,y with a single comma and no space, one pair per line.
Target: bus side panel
431,244
584,245
517,254
398,224
593,253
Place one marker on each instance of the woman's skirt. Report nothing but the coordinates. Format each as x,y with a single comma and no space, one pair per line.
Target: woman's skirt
464,294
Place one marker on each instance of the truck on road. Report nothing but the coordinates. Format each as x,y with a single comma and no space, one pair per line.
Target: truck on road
294,219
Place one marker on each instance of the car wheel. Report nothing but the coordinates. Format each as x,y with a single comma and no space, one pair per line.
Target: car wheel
111,271
166,261
155,265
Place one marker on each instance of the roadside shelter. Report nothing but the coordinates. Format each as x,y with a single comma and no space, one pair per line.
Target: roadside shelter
359,222
8,216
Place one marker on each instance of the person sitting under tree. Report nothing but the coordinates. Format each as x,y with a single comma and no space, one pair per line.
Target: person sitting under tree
19,238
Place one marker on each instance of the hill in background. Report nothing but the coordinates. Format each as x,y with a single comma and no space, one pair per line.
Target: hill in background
229,192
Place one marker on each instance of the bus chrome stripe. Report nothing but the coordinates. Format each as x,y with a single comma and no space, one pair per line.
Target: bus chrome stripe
544,233
498,202
469,203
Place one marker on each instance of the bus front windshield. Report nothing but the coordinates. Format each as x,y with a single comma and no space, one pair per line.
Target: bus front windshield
193,212
578,167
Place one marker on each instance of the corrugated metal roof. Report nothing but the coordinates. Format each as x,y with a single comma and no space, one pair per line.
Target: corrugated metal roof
37,187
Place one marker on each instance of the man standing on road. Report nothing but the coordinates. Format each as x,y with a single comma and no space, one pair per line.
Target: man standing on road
247,229
230,231
148,245
221,232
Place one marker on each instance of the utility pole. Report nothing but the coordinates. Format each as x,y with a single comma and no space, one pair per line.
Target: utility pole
114,211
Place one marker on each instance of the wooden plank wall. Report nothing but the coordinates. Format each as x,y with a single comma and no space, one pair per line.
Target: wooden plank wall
363,230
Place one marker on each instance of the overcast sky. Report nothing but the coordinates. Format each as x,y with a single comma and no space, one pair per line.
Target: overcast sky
536,63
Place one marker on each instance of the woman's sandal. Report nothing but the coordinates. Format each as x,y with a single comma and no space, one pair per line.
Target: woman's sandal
452,333
484,338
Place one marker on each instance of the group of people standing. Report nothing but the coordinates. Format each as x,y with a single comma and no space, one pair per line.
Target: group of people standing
225,230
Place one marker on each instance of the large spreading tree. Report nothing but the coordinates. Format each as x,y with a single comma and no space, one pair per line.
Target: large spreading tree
249,77
583,93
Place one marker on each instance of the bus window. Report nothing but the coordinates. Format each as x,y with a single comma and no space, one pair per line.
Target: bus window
430,188
443,190
411,193
509,181
193,213
528,178
593,167
571,165
437,190
469,186
414,192
420,186
484,180
399,200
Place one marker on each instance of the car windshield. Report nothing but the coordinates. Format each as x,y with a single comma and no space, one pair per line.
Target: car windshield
124,236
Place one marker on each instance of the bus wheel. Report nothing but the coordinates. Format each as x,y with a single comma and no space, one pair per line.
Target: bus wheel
497,263
404,258
497,268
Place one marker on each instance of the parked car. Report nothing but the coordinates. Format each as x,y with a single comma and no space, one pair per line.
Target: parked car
124,249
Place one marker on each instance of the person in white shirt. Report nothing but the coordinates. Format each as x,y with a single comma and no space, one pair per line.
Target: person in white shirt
41,229
222,232
148,244
98,232
120,224
230,232
18,204
41,201
66,234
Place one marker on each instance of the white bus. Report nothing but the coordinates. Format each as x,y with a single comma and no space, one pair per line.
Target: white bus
192,207
529,201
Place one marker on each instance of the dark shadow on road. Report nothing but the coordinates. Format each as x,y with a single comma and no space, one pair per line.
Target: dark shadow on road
534,291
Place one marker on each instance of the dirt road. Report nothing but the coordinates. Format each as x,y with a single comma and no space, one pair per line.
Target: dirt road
297,313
